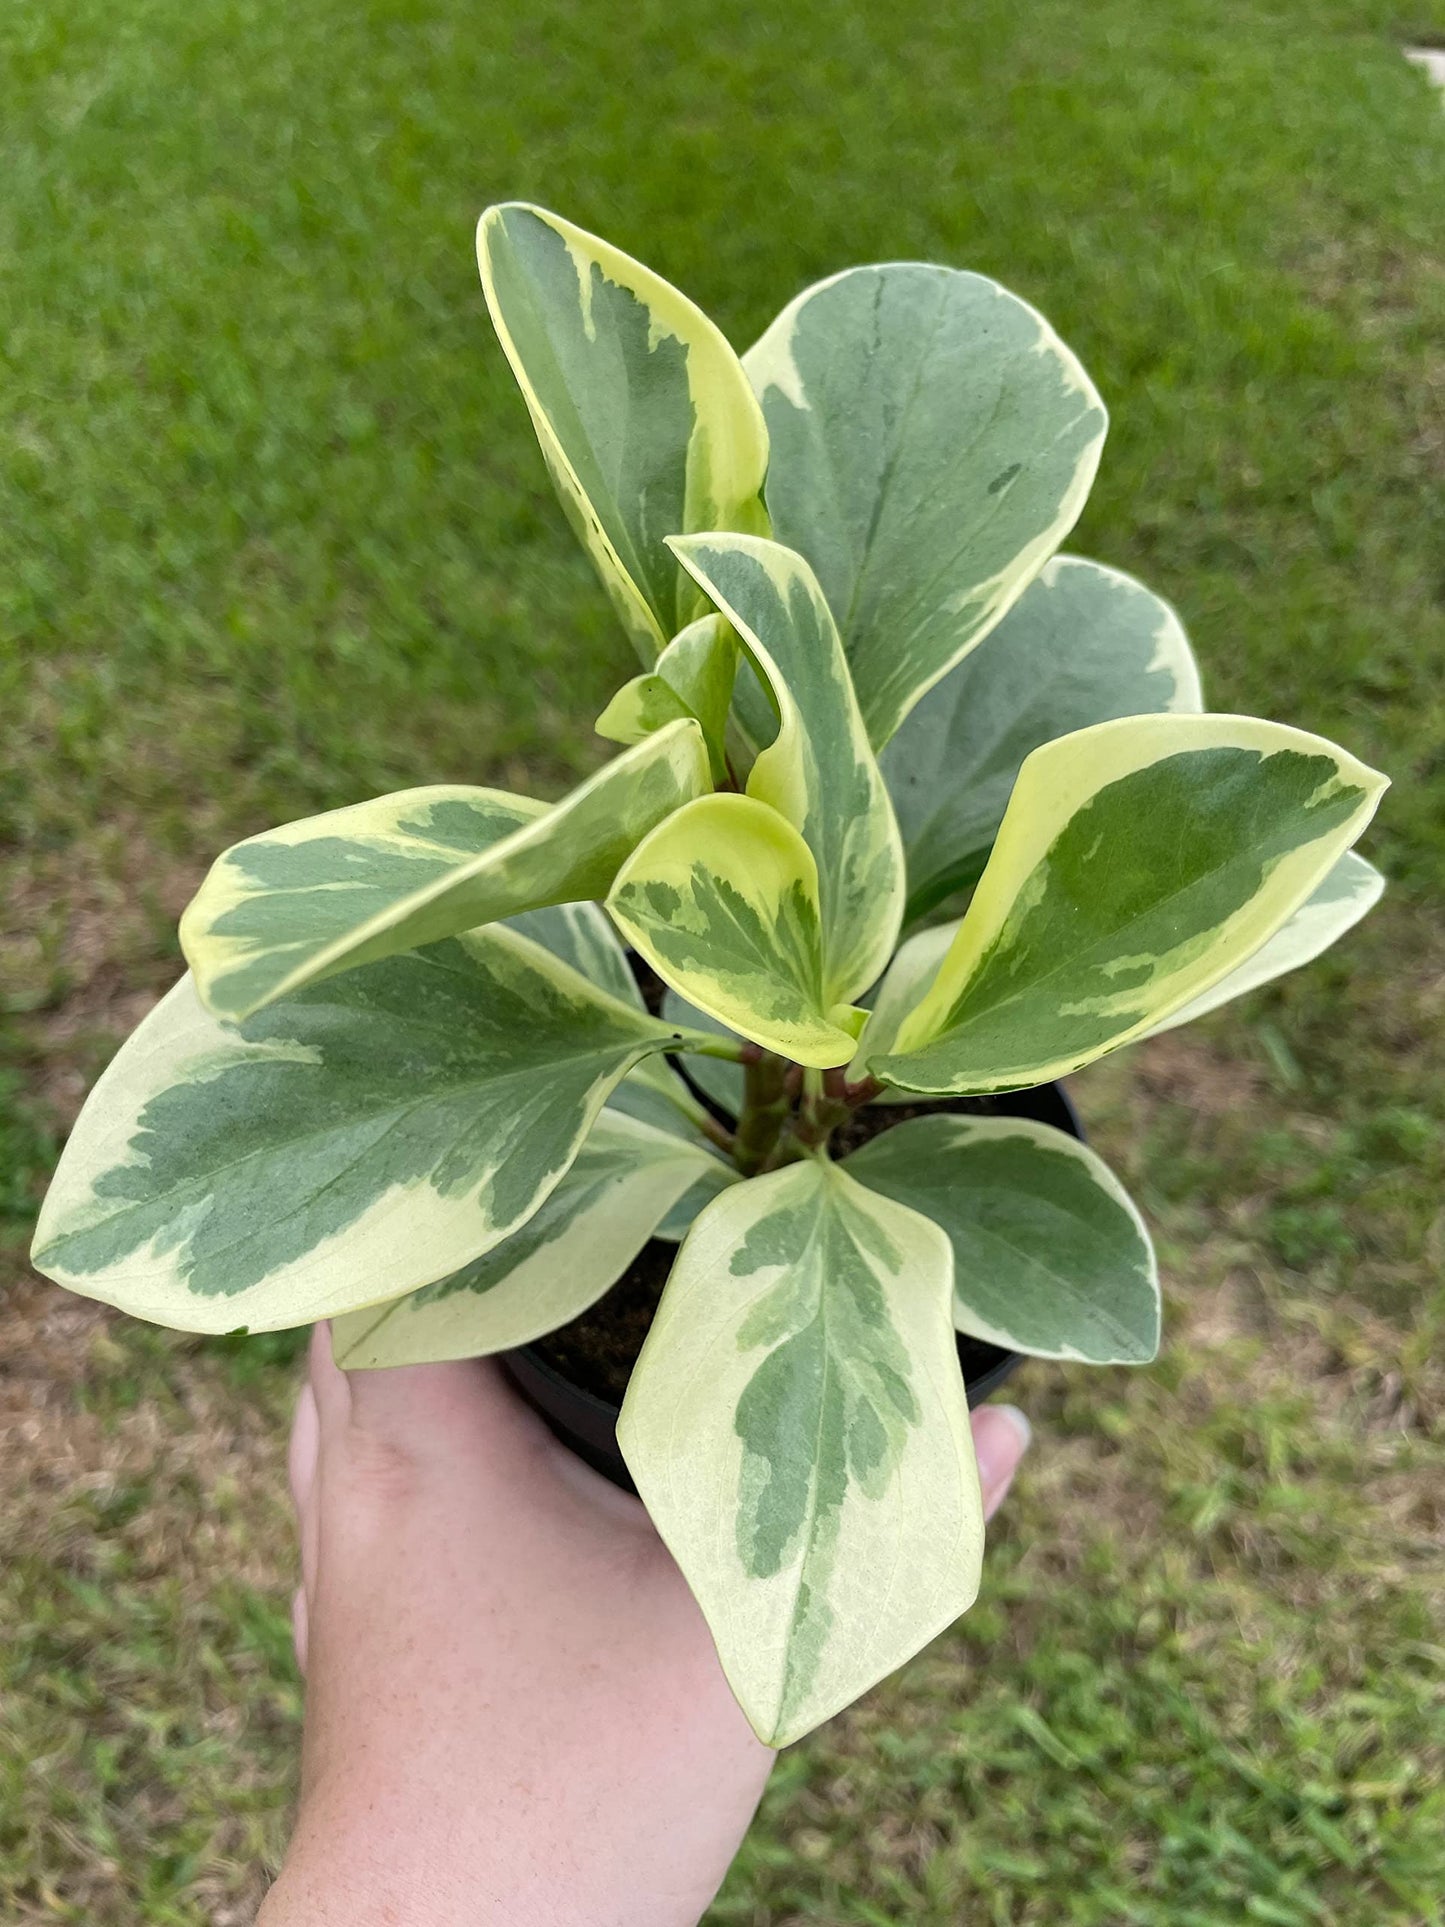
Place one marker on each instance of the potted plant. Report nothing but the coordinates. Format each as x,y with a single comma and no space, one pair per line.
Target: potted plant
912,813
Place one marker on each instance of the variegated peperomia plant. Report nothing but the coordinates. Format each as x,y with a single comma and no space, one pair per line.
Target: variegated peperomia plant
910,805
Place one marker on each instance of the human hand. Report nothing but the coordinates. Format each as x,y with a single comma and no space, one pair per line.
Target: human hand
514,1712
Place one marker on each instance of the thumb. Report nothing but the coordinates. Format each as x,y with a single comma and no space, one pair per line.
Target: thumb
1000,1439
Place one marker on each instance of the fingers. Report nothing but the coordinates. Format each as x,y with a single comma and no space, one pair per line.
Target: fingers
300,1626
329,1383
304,1447
1000,1439
303,1461
407,1402
403,1402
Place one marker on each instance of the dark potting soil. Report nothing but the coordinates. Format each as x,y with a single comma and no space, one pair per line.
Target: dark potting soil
874,1119
598,1350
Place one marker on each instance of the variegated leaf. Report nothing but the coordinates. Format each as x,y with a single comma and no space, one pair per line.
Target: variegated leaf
1352,888
624,1181
798,1429
641,706
693,677
719,1174
722,901
722,1080
297,904
655,1095
1348,893
1049,1254
366,1137
1082,644
644,414
933,442
1139,862
583,938
819,771
903,985
580,934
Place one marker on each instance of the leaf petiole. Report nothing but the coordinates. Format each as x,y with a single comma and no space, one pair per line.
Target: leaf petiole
703,1043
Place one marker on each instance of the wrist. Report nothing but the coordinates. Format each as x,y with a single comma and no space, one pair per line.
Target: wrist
359,1859
373,1871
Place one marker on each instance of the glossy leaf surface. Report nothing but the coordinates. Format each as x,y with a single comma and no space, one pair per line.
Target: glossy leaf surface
798,1430
722,900
622,1184
1049,1254
819,771
298,904
371,1134
1139,862
933,442
1083,644
646,419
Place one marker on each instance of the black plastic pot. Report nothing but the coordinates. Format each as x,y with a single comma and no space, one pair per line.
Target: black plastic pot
588,1424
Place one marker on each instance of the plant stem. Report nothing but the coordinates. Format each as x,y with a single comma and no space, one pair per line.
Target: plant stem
788,1110
704,1043
861,1093
767,1103
813,1123
719,1134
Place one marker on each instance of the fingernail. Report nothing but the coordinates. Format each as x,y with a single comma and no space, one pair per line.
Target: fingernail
1017,1420
1000,1433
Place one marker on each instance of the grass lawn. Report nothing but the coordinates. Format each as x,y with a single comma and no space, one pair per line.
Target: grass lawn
274,535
